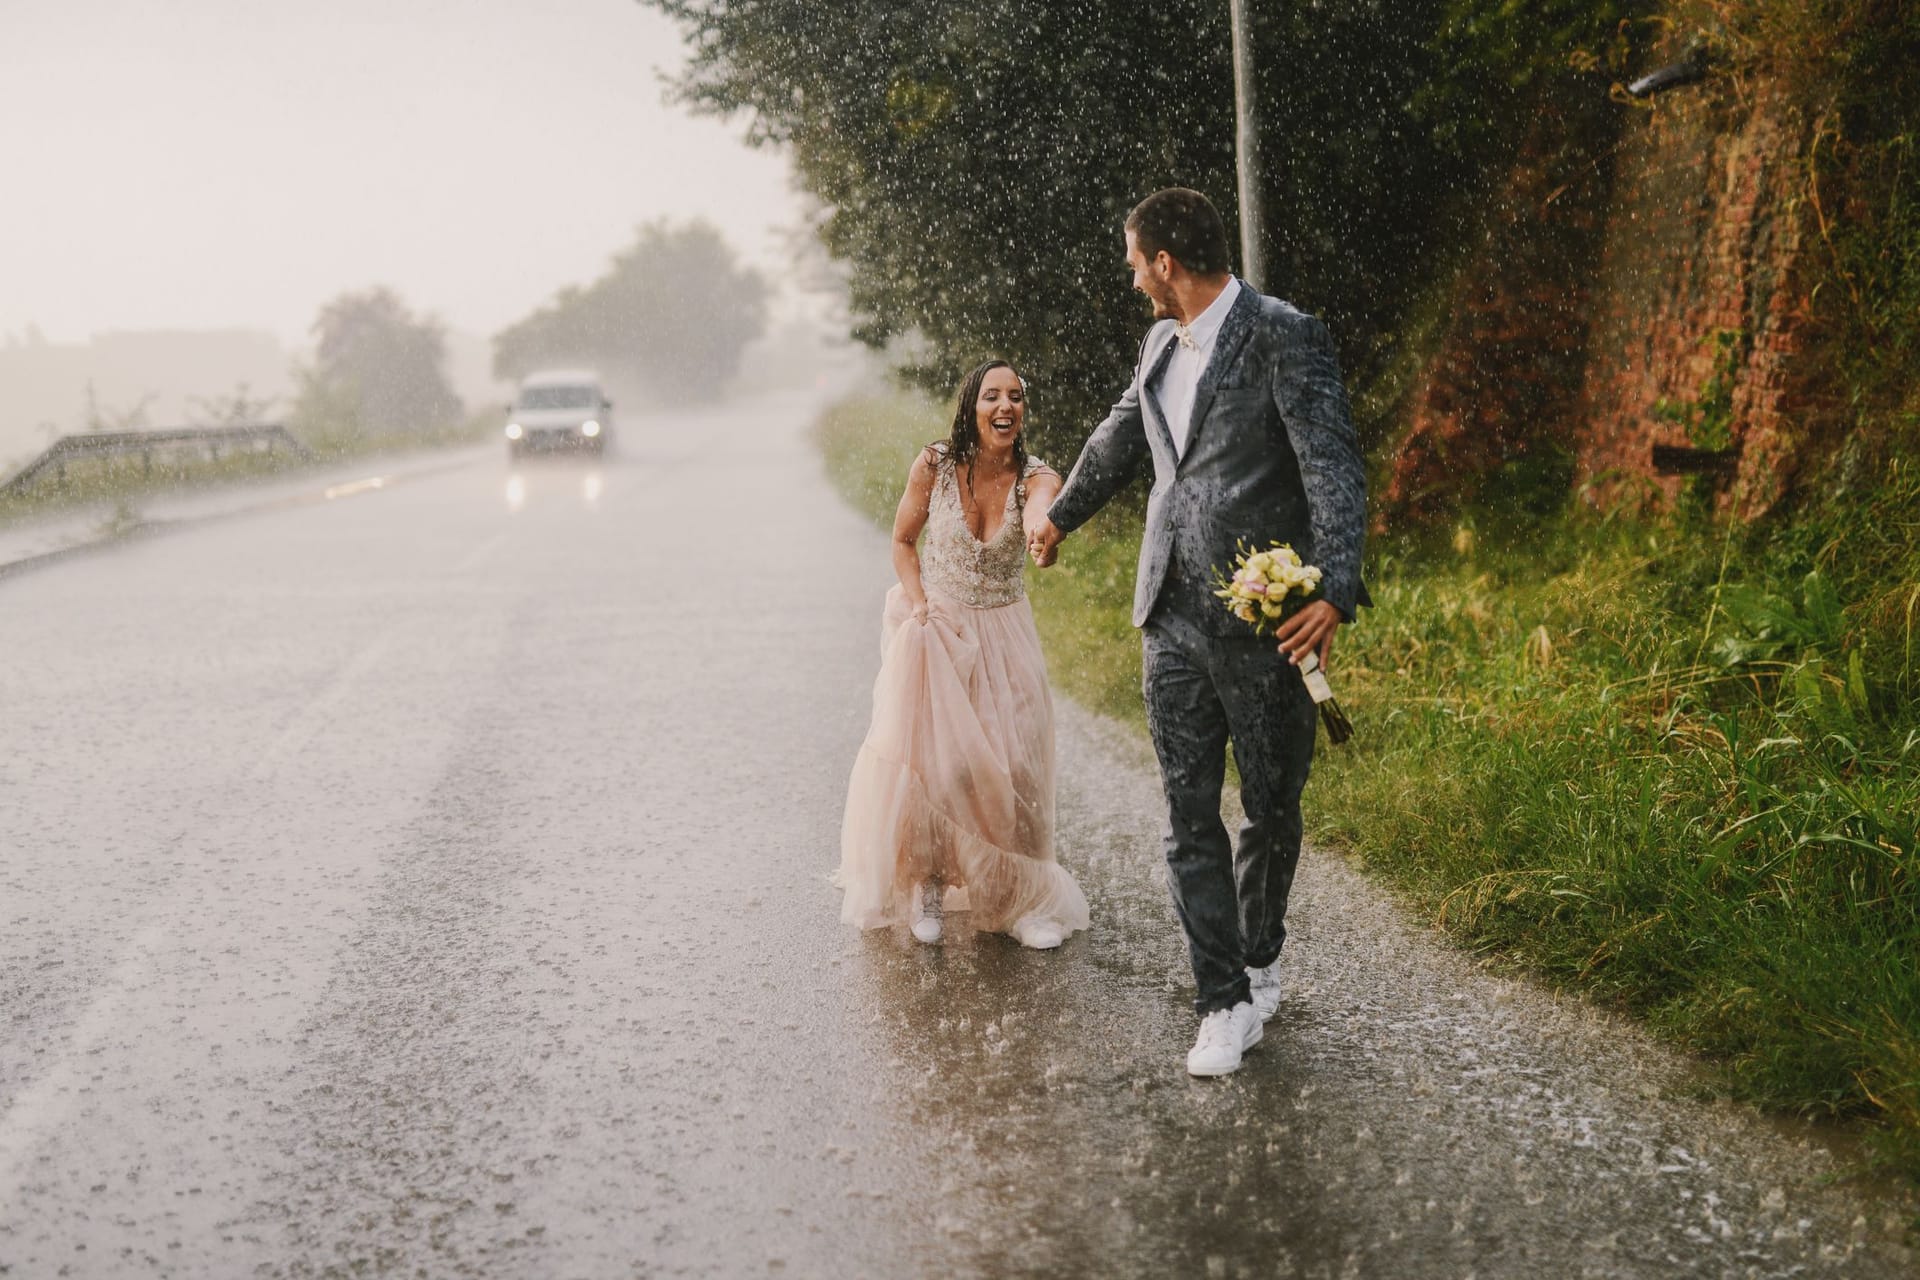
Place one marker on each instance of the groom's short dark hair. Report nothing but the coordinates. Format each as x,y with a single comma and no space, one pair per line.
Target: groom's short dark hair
1185,224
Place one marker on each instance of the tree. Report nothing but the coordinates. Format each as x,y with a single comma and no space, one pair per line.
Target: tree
674,312
974,161
966,165
377,368
238,408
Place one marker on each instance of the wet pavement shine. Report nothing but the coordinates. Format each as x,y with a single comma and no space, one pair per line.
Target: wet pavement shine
434,884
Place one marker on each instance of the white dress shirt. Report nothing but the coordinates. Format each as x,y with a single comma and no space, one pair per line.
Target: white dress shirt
1180,379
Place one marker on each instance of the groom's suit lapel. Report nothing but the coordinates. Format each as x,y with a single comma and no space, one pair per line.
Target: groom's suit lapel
1151,371
1234,331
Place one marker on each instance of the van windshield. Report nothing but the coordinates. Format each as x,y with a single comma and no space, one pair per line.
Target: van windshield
558,398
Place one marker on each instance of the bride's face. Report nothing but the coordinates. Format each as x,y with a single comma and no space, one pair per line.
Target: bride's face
1001,411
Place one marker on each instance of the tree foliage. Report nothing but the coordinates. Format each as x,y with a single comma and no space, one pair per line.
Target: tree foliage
673,312
973,161
377,368
963,165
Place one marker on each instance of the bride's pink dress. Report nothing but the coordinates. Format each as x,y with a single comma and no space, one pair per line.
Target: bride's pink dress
955,779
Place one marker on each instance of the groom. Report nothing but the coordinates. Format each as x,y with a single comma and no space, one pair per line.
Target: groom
1237,403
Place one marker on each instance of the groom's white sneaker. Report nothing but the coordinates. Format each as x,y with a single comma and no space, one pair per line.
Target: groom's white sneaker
1265,985
926,912
1225,1035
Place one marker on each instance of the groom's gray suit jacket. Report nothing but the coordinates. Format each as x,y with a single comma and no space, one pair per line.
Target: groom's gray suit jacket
1271,457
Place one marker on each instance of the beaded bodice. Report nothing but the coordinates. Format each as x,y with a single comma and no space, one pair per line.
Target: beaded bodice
984,575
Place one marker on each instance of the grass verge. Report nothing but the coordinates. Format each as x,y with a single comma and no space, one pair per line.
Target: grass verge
1674,767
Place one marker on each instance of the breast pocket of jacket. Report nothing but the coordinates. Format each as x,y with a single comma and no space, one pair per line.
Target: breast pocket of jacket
1240,404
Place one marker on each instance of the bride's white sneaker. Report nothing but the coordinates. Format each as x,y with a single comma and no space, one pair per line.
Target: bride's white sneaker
926,912
1265,985
1039,933
1225,1035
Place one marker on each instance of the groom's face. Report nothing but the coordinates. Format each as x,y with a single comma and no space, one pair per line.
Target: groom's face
1150,278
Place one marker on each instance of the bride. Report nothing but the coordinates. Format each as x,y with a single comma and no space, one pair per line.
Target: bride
950,806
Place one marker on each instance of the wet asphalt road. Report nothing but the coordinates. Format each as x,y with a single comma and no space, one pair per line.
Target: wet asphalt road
433,883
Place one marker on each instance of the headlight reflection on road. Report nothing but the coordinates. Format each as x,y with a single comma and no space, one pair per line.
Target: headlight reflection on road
516,492
590,489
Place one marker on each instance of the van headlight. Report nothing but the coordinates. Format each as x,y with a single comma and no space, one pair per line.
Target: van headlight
589,428
513,431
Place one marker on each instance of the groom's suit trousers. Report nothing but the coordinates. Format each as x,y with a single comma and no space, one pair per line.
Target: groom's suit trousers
1203,691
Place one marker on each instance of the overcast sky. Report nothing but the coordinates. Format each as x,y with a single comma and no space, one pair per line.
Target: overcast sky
236,163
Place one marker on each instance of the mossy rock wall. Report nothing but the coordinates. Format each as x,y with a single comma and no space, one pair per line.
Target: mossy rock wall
1647,278
1701,318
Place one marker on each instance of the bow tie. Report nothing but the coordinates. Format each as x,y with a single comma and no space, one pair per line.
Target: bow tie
1184,332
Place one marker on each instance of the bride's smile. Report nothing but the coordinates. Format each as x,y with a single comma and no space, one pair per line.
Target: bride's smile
1001,410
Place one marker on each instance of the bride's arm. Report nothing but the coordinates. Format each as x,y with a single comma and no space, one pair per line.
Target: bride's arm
1043,486
909,518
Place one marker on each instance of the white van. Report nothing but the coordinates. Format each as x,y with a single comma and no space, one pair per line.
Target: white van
559,409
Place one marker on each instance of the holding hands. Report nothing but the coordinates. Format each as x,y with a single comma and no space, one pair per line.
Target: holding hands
1043,543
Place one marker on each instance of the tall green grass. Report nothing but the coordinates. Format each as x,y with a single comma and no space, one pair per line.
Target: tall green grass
1605,757
1674,766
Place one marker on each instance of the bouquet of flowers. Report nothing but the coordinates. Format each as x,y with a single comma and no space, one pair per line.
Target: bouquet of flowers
1266,586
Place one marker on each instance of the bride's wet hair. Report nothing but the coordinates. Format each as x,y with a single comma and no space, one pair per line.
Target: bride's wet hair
963,440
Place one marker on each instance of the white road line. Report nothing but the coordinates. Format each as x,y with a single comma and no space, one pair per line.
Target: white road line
480,554
317,711
38,1107
163,524
352,487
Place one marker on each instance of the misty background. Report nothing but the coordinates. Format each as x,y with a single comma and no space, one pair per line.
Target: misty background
196,184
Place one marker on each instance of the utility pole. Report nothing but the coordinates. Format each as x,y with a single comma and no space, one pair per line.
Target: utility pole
1246,148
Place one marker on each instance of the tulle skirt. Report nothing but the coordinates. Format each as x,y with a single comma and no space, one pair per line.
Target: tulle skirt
955,779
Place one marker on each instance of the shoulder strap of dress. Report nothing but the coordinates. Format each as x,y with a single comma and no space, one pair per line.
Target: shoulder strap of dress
944,478
1033,464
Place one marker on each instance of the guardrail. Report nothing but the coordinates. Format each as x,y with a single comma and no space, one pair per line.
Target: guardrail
106,444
